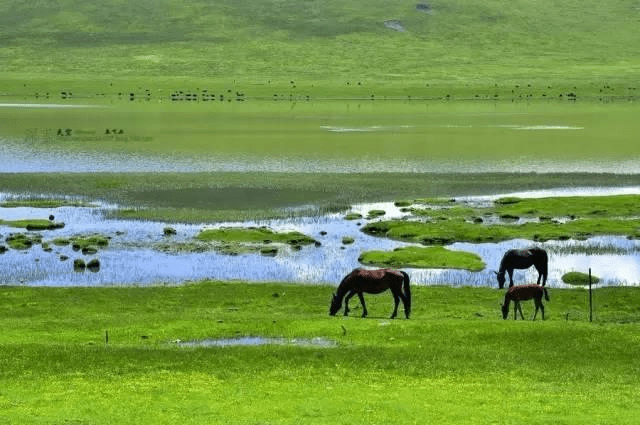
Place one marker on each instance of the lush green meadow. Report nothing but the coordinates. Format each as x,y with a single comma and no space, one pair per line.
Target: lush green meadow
329,49
455,361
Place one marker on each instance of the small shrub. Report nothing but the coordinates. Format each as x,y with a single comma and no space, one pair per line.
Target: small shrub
402,203
94,265
269,251
375,213
508,200
79,265
579,278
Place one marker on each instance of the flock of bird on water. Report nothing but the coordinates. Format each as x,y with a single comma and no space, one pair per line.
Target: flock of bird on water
360,281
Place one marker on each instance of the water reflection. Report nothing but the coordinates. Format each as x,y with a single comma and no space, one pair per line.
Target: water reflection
21,158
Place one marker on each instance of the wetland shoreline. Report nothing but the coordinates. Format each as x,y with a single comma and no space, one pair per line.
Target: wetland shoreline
141,252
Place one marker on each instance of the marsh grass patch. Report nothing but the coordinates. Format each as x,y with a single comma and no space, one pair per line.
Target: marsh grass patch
254,235
33,224
241,240
436,257
23,241
565,218
88,243
579,279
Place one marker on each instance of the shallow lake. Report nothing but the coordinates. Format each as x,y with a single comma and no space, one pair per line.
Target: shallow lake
133,257
321,136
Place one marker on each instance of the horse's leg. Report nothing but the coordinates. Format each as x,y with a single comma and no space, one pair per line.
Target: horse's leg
404,302
542,307
364,307
346,302
537,303
539,274
510,271
519,307
396,300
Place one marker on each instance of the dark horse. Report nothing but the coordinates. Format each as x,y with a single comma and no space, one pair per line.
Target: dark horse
524,293
372,282
523,259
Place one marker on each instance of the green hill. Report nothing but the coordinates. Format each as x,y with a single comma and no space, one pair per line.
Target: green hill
323,48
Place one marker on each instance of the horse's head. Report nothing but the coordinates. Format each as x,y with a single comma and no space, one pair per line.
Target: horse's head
501,279
335,305
505,310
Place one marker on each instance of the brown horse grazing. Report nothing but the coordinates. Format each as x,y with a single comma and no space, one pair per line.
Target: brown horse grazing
372,282
523,293
523,259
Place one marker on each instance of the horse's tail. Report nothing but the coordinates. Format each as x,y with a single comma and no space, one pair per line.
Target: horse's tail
407,293
546,294
545,261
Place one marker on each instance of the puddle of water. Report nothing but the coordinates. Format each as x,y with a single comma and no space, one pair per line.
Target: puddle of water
368,129
254,341
540,127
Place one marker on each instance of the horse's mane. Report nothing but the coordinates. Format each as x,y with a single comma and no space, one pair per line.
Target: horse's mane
503,266
344,281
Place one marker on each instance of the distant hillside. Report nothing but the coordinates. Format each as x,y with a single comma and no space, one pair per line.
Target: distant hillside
327,46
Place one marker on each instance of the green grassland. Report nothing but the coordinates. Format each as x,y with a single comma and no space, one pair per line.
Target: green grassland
110,355
299,48
455,361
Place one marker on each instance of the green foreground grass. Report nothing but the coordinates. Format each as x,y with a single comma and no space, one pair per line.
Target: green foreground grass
455,361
